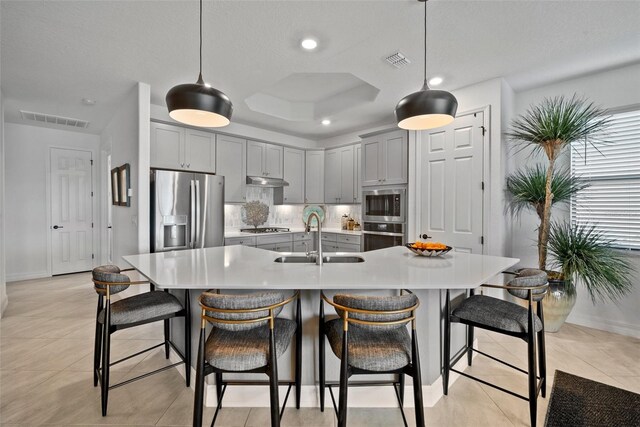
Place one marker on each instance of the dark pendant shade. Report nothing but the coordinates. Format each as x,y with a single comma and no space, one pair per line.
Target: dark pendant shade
426,109
196,104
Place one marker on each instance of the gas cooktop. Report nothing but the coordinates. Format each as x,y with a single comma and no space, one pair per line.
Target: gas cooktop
265,230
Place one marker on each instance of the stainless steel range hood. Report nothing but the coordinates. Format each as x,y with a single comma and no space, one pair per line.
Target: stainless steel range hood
259,181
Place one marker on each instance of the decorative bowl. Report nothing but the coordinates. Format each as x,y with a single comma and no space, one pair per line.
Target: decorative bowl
308,210
428,252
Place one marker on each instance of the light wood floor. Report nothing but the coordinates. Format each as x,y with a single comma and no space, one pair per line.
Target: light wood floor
46,345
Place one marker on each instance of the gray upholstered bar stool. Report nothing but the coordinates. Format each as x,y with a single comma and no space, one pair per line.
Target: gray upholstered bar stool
136,310
246,336
508,318
377,342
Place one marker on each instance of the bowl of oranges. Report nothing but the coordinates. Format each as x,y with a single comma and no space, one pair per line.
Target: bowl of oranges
428,248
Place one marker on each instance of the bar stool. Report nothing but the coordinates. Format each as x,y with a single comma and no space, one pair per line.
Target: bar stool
504,317
377,342
247,336
125,313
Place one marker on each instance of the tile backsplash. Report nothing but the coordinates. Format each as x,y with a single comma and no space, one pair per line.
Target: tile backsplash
284,215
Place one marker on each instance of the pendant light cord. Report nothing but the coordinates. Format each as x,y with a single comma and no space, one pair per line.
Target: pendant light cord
200,80
426,85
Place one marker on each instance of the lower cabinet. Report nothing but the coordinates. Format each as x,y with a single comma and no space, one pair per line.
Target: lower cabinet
337,242
277,247
246,241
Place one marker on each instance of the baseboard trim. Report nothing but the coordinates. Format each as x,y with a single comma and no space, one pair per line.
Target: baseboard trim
18,277
5,304
359,397
622,328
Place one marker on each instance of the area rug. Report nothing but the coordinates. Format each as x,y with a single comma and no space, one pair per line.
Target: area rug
577,401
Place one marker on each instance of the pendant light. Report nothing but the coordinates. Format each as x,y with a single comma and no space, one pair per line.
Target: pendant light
427,108
198,104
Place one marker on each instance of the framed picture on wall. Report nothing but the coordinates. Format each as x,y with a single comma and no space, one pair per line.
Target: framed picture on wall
115,199
124,181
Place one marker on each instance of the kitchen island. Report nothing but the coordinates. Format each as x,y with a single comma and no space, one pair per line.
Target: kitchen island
240,269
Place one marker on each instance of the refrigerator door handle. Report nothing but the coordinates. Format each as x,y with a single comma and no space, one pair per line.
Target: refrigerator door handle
192,241
198,237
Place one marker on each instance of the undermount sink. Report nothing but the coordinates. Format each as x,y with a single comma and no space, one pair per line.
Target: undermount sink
329,259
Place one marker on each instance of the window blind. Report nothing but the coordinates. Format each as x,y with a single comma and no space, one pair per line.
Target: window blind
612,201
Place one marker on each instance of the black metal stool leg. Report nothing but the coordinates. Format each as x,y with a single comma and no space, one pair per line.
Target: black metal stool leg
97,344
167,335
401,381
469,345
417,380
298,373
344,381
321,364
531,347
273,381
446,356
187,337
199,391
106,335
218,377
542,354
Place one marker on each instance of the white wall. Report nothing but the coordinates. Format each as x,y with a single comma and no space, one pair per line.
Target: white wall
121,138
4,301
609,89
238,129
26,182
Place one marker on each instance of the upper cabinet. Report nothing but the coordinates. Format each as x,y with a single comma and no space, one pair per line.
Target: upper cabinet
294,174
231,163
385,159
174,147
264,159
340,175
314,177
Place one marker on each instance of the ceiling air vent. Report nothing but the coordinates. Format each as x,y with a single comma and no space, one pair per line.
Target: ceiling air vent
55,120
398,60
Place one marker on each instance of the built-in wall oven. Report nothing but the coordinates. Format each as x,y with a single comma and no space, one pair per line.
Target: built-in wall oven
384,217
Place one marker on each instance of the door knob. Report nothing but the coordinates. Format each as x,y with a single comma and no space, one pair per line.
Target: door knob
55,227
425,236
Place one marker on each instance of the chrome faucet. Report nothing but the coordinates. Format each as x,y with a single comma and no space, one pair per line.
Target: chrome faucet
308,226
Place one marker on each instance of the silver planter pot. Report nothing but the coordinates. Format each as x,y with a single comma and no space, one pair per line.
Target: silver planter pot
558,303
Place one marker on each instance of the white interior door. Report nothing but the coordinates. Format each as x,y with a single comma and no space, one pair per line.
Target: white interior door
109,212
452,187
71,211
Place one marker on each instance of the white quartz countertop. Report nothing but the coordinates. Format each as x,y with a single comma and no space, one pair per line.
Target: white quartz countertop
238,233
241,267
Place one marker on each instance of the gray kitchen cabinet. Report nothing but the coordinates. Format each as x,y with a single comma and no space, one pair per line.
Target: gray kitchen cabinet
294,174
277,247
167,146
385,158
347,247
200,151
231,163
245,241
175,147
264,159
304,242
314,177
339,175
302,246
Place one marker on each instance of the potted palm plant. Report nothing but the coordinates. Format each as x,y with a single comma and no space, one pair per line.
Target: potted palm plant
581,254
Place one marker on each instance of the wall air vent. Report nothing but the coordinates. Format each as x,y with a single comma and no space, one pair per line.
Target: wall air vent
398,60
55,120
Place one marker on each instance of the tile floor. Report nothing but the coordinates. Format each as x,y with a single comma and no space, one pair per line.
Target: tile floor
46,344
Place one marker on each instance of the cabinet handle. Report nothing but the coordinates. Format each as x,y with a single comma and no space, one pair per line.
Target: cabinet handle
188,165
181,165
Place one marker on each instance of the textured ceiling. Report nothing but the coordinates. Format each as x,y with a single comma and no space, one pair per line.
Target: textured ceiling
54,53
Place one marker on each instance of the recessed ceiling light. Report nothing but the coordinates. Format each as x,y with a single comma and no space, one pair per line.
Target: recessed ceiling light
326,122
435,81
309,44
88,102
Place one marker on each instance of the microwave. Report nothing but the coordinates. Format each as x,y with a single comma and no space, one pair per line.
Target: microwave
384,205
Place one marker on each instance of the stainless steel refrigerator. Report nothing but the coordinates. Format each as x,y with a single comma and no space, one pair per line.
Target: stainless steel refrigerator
187,210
